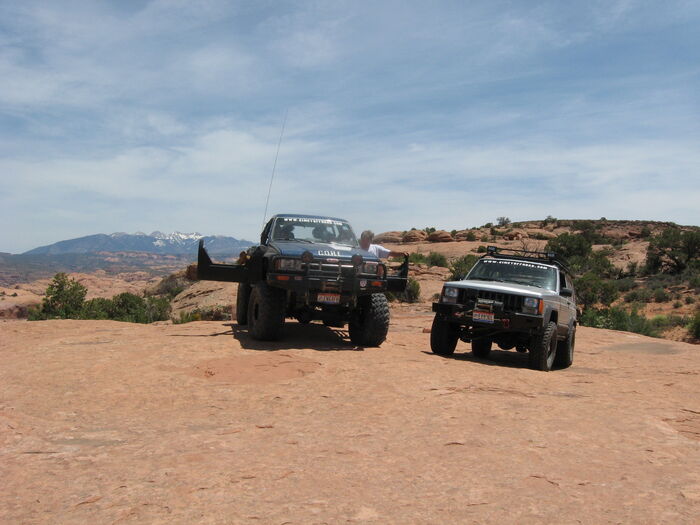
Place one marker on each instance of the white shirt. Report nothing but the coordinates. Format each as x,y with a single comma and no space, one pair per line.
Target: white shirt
379,251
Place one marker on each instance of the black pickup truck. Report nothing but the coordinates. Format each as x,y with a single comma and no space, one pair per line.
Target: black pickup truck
309,267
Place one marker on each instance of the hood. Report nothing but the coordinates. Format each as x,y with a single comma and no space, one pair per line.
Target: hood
320,250
497,286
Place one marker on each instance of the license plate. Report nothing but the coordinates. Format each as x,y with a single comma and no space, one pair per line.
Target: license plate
483,317
328,298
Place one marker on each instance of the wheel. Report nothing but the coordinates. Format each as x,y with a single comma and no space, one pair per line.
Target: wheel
565,350
266,309
369,322
544,348
443,336
242,303
481,347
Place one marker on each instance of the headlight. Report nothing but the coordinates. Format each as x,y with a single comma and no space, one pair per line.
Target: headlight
288,265
370,267
531,302
532,305
449,294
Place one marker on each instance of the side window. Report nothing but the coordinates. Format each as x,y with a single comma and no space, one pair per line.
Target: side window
563,283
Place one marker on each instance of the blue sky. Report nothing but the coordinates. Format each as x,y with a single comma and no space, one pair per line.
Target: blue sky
165,115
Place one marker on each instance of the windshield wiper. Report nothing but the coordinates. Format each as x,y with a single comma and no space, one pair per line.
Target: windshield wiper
295,240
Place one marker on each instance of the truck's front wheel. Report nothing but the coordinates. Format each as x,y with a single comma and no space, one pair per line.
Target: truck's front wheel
266,309
369,322
443,336
544,348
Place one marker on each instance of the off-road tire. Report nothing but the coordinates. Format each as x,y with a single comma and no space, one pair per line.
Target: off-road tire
266,309
242,300
481,348
443,336
544,349
369,322
565,350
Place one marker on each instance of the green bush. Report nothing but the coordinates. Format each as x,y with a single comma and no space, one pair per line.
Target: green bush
694,326
214,313
569,245
689,299
591,290
481,249
437,259
618,319
97,308
660,295
641,295
416,258
625,285
64,300
484,238
470,236
410,295
461,266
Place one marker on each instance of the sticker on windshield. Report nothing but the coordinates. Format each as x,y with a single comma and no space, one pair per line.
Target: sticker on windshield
513,263
312,220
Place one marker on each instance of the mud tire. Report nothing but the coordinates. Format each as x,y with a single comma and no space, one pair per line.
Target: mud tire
481,348
369,322
544,349
242,303
266,309
565,350
443,336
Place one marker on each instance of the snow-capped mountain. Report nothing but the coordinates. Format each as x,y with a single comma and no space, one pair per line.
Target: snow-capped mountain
176,243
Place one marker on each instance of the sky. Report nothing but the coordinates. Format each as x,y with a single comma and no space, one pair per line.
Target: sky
166,115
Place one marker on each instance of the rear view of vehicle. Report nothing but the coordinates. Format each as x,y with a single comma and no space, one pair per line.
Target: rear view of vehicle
514,299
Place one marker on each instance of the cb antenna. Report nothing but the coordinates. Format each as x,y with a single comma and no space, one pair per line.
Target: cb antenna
272,177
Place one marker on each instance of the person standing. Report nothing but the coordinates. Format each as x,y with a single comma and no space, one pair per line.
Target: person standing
378,250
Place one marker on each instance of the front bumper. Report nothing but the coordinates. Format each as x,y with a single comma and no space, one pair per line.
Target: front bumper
503,321
309,287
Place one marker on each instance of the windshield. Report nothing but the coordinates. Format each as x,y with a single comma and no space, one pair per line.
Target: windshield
518,272
313,230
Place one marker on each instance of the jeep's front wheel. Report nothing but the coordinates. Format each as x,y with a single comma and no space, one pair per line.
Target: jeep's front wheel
544,348
369,322
242,299
266,309
443,336
481,347
565,350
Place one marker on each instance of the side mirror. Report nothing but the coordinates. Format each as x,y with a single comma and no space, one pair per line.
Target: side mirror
566,292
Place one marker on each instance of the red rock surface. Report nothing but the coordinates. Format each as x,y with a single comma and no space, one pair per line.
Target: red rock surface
106,422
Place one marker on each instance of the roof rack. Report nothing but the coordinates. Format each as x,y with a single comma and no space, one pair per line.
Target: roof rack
550,257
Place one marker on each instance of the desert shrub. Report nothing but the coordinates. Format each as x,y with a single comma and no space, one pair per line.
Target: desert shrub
63,300
694,326
660,295
625,285
437,259
97,308
673,251
460,267
481,249
646,232
641,295
503,221
618,319
128,307
488,225
596,263
689,299
632,269
484,238
412,292
416,258
677,304
549,220
569,245
429,230
591,290
453,233
470,236
212,313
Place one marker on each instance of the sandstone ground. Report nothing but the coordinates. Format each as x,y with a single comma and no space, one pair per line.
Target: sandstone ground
107,422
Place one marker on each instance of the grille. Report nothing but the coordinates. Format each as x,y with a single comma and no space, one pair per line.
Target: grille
331,270
511,303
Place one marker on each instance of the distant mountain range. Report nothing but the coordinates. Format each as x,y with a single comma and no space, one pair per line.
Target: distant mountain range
158,243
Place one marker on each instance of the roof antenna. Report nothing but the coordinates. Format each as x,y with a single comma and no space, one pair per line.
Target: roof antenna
279,143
